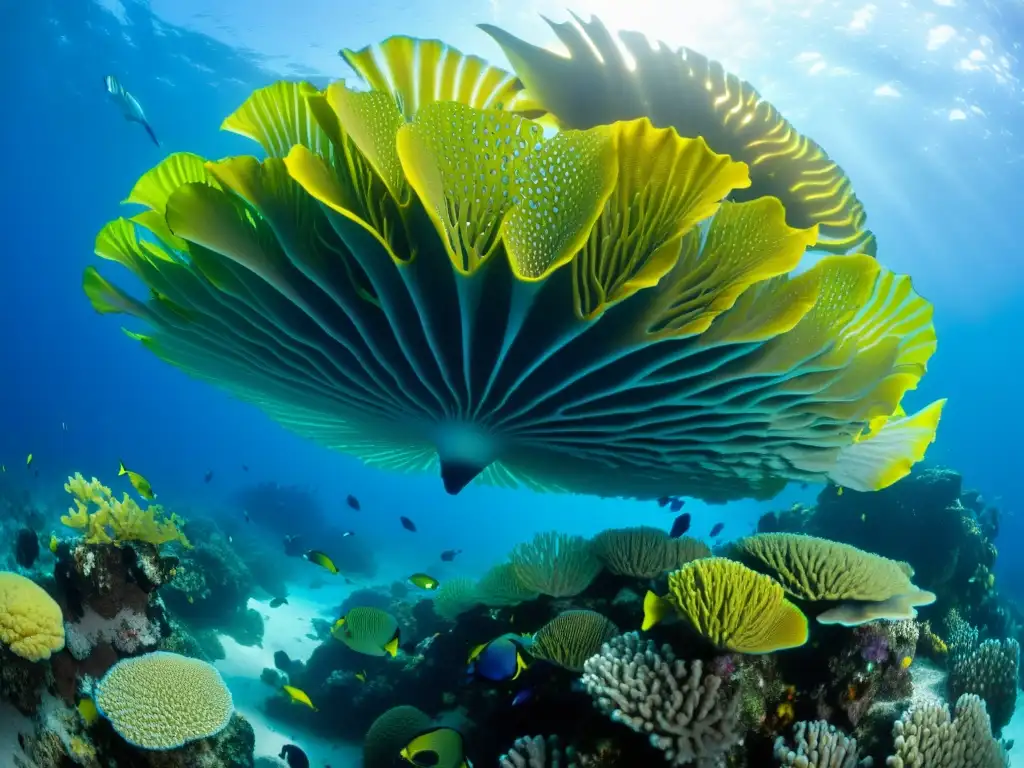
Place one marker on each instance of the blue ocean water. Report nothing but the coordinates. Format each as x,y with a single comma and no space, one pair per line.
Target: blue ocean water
919,101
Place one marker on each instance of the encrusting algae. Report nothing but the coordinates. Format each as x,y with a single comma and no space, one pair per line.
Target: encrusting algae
117,521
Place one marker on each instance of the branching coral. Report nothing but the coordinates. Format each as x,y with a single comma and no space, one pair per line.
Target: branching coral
556,564
537,752
925,737
115,520
819,745
689,715
991,671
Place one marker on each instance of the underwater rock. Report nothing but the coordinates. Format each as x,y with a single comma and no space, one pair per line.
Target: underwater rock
22,682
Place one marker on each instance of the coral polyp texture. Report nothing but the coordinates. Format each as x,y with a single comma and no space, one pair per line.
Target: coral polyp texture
819,745
571,638
162,701
644,552
555,564
31,624
417,275
926,737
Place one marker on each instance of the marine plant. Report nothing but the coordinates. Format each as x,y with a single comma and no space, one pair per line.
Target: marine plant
118,521
418,276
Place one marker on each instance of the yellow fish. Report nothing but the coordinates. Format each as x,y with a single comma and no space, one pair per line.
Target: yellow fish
655,609
437,747
298,696
840,491
53,543
139,483
423,581
319,558
87,710
361,676
906,661
28,461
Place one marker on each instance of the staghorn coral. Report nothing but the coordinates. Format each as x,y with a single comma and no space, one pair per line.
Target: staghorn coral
571,638
454,597
500,586
390,733
644,552
991,671
31,624
115,520
573,275
689,715
925,737
819,745
537,752
555,564
818,569
162,701
735,607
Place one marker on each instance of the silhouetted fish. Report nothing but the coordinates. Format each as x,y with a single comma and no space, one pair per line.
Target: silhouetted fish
294,756
717,529
676,504
449,554
130,107
680,526
208,476
408,524
353,502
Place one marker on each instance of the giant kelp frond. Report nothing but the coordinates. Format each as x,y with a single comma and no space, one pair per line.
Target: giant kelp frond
417,275
595,84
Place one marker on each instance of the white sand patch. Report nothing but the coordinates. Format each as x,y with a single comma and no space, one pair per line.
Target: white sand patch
12,722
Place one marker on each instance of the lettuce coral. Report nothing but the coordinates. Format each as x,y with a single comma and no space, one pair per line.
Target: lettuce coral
31,624
116,521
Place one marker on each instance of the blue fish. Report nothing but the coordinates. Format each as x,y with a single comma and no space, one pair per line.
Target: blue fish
522,697
680,526
499,660
130,107
717,529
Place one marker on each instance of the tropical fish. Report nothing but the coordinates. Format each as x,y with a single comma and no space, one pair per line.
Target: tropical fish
139,483
208,476
353,502
499,660
130,107
437,748
680,526
371,631
294,757
522,697
408,524
361,676
277,602
319,558
655,610
716,529
449,554
839,491
191,600
28,461
423,581
298,696
54,543
88,712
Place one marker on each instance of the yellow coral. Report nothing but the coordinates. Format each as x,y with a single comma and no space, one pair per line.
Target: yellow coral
116,521
735,607
31,624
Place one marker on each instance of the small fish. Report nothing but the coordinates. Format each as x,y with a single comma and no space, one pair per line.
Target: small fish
498,660
64,426
716,529
437,747
245,467
130,107
298,696
54,543
680,526
676,504
361,676
191,600
522,697
346,534
353,502
294,757
277,602
319,558
3,467
906,661
450,554
88,712
663,501
139,483
863,517
28,461
655,609
208,476
839,491
367,630
408,524
423,581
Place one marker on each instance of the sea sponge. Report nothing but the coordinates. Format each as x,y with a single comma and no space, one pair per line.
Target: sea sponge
735,607
556,564
163,700
501,586
572,637
454,597
689,715
118,520
390,733
644,552
31,624
925,737
811,568
819,745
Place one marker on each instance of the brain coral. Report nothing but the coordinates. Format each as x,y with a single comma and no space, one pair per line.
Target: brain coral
418,276
31,624
735,607
818,569
163,700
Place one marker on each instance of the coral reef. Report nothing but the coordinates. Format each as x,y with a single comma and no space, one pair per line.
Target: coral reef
537,752
926,737
989,669
819,745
